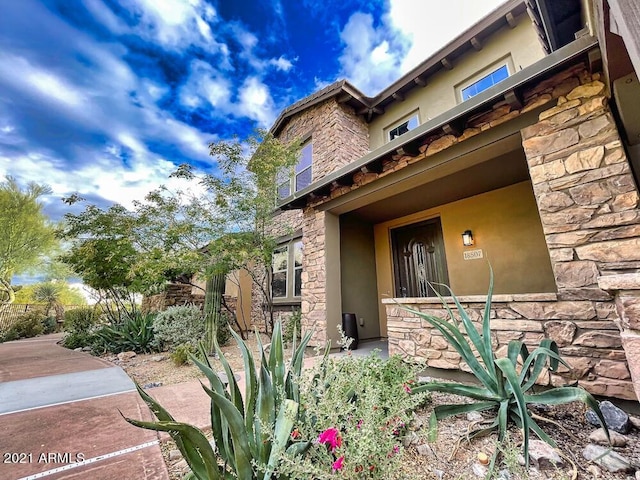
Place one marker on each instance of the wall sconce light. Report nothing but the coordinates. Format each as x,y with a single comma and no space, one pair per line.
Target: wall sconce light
467,238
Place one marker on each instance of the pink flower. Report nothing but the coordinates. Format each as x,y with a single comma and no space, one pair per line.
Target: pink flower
407,388
331,437
359,425
337,465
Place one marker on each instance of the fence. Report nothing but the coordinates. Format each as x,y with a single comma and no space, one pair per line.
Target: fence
13,311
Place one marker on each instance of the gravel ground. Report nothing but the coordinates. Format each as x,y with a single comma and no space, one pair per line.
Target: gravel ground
451,456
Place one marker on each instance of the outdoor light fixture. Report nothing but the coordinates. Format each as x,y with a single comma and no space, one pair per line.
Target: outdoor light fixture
467,238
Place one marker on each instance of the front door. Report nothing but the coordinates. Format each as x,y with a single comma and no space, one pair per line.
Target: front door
419,260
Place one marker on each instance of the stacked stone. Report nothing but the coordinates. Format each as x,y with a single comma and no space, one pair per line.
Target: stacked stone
174,294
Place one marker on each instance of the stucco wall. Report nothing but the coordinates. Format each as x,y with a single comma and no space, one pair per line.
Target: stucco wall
506,227
519,44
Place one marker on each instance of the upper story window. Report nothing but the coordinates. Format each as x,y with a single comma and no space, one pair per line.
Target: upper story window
408,123
486,81
286,279
294,181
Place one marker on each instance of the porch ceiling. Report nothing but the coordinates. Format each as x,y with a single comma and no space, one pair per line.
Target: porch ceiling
497,165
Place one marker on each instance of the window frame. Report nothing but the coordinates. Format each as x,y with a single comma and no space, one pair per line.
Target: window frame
290,243
482,74
288,179
415,115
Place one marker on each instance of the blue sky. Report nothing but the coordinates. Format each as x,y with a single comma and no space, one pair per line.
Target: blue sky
105,97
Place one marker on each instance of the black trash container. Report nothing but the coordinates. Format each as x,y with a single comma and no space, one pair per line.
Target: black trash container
350,328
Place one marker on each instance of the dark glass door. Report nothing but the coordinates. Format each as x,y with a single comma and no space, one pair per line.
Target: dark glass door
419,259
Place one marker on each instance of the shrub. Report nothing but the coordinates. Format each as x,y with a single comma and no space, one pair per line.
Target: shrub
134,333
29,324
50,325
355,414
506,384
79,320
250,433
178,325
292,326
180,354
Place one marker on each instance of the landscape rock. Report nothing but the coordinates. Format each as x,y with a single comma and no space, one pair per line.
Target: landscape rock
425,450
86,349
606,458
152,385
615,418
479,470
635,421
543,455
617,439
158,358
474,417
410,439
174,455
122,356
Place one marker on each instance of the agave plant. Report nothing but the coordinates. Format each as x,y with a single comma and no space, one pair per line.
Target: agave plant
506,384
250,433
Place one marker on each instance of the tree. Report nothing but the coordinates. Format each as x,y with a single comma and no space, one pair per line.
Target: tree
66,296
216,224
27,234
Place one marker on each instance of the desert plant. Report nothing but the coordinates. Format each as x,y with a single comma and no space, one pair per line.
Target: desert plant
80,319
292,326
29,324
250,433
502,388
356,410
180,354
178,325
134,333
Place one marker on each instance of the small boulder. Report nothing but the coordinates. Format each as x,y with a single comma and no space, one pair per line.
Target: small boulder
479,470
122,356
425,451
543,455
617,439
615,418
174,455
635,421
158,358
607,458
152,385
474,417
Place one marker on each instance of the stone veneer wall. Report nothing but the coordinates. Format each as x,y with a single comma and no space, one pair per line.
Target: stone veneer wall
588,205
339,136
174,294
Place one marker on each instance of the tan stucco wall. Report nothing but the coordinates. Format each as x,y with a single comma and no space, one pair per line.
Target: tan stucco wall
520,44
506,227
358,275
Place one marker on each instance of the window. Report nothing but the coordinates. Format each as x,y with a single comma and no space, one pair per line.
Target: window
487,81
290,182
286,280
408,123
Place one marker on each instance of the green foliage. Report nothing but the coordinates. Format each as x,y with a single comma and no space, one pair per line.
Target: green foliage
251,432
29,324
178,325
506,384
80,319
134,333
367,404
292,327
50,325
66,296
181,353
27,234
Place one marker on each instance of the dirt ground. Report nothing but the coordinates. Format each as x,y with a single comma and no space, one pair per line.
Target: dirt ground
451,456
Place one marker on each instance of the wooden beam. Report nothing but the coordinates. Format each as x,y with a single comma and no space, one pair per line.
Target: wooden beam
421,82
627,17
446,63
476,43
342,182
452,129
513,99
595,60
511,20
398,97
410,149
343,98
373,167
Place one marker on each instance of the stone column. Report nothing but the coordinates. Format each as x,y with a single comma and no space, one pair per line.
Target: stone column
321,305
626,288
588,206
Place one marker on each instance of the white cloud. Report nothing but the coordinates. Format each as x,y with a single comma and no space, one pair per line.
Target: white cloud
281,64
375,56
256,102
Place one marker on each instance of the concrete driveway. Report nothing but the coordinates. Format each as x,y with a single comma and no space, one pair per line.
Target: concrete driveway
59,417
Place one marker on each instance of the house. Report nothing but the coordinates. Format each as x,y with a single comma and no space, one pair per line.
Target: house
517,144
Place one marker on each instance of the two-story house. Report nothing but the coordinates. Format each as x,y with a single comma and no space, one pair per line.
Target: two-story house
514,146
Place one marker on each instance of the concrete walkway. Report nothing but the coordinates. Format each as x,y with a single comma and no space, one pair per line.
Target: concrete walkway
60,417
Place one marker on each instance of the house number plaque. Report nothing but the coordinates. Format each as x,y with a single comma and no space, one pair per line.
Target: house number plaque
472,254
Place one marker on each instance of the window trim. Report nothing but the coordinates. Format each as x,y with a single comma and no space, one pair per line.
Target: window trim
290,283
292,174
479,75
405,119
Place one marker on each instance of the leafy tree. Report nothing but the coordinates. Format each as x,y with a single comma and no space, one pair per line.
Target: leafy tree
27,234
218,224
66,296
